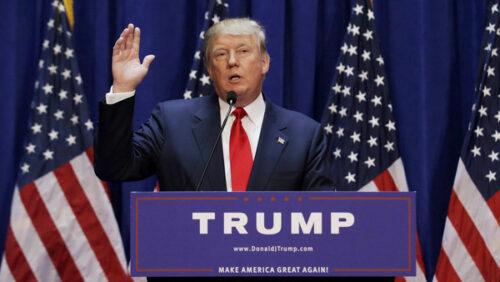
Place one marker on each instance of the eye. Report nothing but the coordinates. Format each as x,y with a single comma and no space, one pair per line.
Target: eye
219,54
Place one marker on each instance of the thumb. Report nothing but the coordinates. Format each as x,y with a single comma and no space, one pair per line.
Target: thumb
147,61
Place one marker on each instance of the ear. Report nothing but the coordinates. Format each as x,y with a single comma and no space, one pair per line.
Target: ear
266,60
208,67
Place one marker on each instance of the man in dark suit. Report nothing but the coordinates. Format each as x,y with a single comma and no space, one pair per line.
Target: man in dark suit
263,146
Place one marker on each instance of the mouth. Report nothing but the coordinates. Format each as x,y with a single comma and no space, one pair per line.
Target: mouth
234,78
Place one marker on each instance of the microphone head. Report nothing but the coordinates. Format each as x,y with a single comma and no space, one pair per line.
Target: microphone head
231,97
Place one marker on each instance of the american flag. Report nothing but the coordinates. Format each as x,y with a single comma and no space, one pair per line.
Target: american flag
199,81
470,250
62,225
358,119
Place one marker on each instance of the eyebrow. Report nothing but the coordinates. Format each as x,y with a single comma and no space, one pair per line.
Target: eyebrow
217,48
242,45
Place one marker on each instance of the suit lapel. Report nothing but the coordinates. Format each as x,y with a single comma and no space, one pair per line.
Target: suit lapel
272,142
205,128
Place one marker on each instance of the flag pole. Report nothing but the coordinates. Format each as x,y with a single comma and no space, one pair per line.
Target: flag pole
68,5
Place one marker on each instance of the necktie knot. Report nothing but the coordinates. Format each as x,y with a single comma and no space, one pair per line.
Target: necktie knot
239,113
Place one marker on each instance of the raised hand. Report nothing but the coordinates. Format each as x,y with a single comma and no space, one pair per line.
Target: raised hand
128,71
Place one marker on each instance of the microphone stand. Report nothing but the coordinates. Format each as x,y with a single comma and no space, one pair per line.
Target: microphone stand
231,99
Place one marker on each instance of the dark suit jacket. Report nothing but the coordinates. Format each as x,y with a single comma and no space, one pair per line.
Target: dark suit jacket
175,144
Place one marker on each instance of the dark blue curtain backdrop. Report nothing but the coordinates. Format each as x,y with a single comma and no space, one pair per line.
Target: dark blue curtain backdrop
431,49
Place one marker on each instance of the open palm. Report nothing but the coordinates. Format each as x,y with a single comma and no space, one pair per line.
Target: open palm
128,71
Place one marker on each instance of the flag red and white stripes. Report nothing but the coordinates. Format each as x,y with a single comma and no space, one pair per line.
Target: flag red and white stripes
470,250
62,227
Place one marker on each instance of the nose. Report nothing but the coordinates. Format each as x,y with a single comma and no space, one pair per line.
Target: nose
232,59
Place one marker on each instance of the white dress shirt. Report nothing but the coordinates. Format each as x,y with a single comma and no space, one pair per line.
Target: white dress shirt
113,98
252,123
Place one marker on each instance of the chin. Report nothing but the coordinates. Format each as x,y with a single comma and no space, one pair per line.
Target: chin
236,89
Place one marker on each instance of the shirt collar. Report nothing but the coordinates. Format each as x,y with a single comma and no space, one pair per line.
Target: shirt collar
255,110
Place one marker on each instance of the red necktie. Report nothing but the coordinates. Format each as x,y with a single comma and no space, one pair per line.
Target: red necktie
240,153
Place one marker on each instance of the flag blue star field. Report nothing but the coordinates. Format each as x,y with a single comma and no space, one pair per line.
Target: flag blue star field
62,225
470,249
358,119
199,81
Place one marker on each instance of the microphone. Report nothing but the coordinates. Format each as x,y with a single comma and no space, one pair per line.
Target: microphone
231,100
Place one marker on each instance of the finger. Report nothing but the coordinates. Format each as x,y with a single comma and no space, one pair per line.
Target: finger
130,37
118,46
147,61
122,46
118,42
123,36
137,40
124,32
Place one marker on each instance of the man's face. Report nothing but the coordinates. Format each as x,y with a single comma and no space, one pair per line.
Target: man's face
236,64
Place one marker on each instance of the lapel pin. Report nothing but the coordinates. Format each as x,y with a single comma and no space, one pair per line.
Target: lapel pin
281,141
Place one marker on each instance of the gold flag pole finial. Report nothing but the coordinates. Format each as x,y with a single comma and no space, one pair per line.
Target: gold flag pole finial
68,6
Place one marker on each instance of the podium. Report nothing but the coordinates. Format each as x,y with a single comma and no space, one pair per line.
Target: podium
273,234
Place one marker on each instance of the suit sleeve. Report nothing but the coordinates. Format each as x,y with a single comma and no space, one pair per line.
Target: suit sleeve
319,164
120,153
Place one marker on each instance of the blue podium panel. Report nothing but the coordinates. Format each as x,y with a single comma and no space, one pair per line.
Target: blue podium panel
273,234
